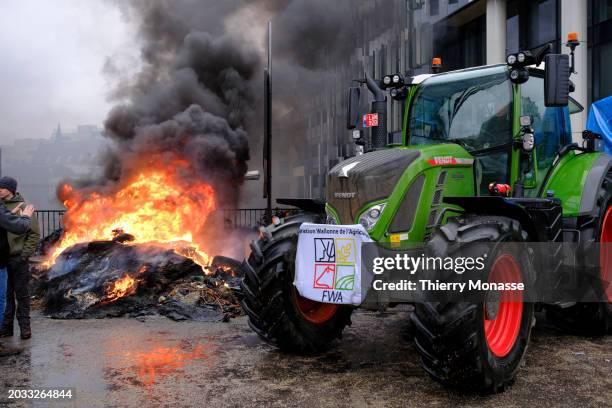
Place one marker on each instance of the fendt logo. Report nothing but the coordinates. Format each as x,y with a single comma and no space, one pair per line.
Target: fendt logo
450,161
344,196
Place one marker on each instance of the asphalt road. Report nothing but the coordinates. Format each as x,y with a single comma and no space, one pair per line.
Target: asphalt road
160,363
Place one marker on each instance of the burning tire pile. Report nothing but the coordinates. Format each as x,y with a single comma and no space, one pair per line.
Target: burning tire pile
109,279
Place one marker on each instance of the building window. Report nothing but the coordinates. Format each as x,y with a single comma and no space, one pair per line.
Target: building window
600,49
463,46
605,62
542,23
434,7
602,10
512,35
532,24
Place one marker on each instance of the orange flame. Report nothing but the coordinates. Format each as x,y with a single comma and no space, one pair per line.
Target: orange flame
121,288
165,205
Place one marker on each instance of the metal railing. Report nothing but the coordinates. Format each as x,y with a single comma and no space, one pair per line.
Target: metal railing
50,220
253,217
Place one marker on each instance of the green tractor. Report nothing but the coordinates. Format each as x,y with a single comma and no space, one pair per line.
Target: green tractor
469,138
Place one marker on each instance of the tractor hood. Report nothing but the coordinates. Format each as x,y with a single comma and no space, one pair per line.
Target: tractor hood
361,179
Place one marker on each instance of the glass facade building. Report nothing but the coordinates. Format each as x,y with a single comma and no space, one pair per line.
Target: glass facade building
600,48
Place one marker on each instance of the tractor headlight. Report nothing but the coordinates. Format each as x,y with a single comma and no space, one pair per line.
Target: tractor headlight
511,59
331,218
371,216
519,75
528,142
520,57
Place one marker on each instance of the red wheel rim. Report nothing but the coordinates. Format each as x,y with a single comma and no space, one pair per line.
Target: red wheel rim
502,331
314,312
605,254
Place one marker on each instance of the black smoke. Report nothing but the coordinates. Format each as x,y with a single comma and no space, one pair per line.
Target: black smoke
194,97
312,39
313,34
198,93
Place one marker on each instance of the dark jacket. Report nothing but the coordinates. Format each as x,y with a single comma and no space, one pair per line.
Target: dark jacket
11,223
23,245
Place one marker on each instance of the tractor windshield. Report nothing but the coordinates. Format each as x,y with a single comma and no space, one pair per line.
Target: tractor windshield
472,108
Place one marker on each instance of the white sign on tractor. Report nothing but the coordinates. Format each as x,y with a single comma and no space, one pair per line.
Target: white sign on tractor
328,263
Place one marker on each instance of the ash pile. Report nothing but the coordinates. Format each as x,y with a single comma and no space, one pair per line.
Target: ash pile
111,279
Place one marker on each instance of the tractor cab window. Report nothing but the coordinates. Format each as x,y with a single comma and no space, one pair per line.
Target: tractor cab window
472,108
551,125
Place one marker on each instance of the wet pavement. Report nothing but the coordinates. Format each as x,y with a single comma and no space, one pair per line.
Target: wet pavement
161,363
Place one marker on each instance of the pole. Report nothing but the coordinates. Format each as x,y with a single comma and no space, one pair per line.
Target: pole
267,160
496,31
574,18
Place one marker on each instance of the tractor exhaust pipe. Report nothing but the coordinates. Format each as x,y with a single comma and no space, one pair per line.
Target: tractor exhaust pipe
379,106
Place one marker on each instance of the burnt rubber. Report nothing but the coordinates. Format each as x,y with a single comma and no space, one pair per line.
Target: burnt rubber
275,311
460,345
591,319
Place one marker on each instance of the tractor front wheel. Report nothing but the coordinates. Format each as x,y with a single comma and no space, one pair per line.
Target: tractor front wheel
478,346
276,311
593,318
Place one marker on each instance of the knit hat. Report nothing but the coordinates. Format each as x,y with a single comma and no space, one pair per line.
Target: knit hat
9,183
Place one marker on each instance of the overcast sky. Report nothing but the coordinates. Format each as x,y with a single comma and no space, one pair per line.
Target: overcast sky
52,54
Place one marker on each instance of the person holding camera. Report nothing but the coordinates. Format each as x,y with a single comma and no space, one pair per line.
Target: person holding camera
21,245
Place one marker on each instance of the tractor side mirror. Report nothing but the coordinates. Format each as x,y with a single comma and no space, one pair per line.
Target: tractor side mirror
352,109
556,80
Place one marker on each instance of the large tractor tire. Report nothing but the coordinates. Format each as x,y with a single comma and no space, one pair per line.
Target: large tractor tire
478,346
593,318
276,312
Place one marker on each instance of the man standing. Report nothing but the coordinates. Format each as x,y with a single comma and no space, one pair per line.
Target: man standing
22,246
17,224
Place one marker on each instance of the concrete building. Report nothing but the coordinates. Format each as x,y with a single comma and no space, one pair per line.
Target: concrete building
404,35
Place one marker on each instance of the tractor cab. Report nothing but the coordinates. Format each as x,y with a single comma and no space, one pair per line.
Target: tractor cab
512,118
484,112
472,108
495,130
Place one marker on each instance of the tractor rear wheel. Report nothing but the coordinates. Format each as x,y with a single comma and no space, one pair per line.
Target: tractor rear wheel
478,346
593,318
276,311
